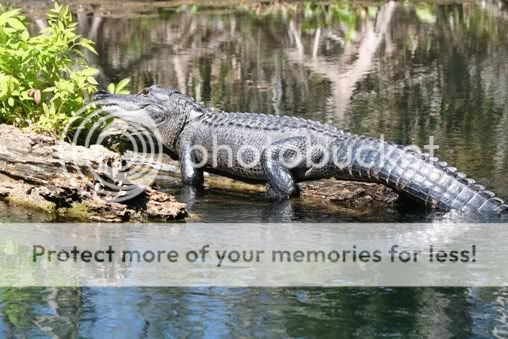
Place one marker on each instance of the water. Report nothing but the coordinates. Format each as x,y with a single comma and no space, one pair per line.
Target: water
405,71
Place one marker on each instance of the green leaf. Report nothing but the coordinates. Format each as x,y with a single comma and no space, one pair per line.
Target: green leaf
88,44
111,88
121,85
3,86
7,15
10,101
89,71
16,23
25,36
92,80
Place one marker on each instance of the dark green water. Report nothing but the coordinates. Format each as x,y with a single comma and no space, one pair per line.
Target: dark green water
405,71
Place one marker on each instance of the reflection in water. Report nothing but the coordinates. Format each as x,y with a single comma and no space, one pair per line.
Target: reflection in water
402,70
176,312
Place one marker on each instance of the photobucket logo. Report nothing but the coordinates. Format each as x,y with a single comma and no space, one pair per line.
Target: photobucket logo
113,179
351,154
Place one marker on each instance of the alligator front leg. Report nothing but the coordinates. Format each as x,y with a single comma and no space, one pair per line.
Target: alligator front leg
191,175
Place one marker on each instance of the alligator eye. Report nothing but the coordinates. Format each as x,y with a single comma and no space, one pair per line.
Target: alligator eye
145,91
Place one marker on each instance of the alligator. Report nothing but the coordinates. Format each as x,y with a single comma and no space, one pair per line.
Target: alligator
268,149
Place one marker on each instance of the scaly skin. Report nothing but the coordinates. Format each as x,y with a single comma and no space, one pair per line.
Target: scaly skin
184,125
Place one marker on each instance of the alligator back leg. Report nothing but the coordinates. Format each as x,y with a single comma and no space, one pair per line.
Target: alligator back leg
281,182
424,178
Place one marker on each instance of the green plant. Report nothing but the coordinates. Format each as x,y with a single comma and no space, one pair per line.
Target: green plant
119,88
44,79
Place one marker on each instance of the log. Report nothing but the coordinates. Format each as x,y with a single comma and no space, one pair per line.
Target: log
346,197
350,195
56,177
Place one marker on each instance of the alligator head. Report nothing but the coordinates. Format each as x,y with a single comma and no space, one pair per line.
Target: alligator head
163,109
148,107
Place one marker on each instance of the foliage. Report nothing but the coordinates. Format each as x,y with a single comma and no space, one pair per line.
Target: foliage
119,88
45,78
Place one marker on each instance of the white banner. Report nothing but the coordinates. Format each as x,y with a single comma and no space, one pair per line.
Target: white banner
231,255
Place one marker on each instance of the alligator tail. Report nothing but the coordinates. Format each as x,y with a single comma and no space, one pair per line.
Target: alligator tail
420,176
